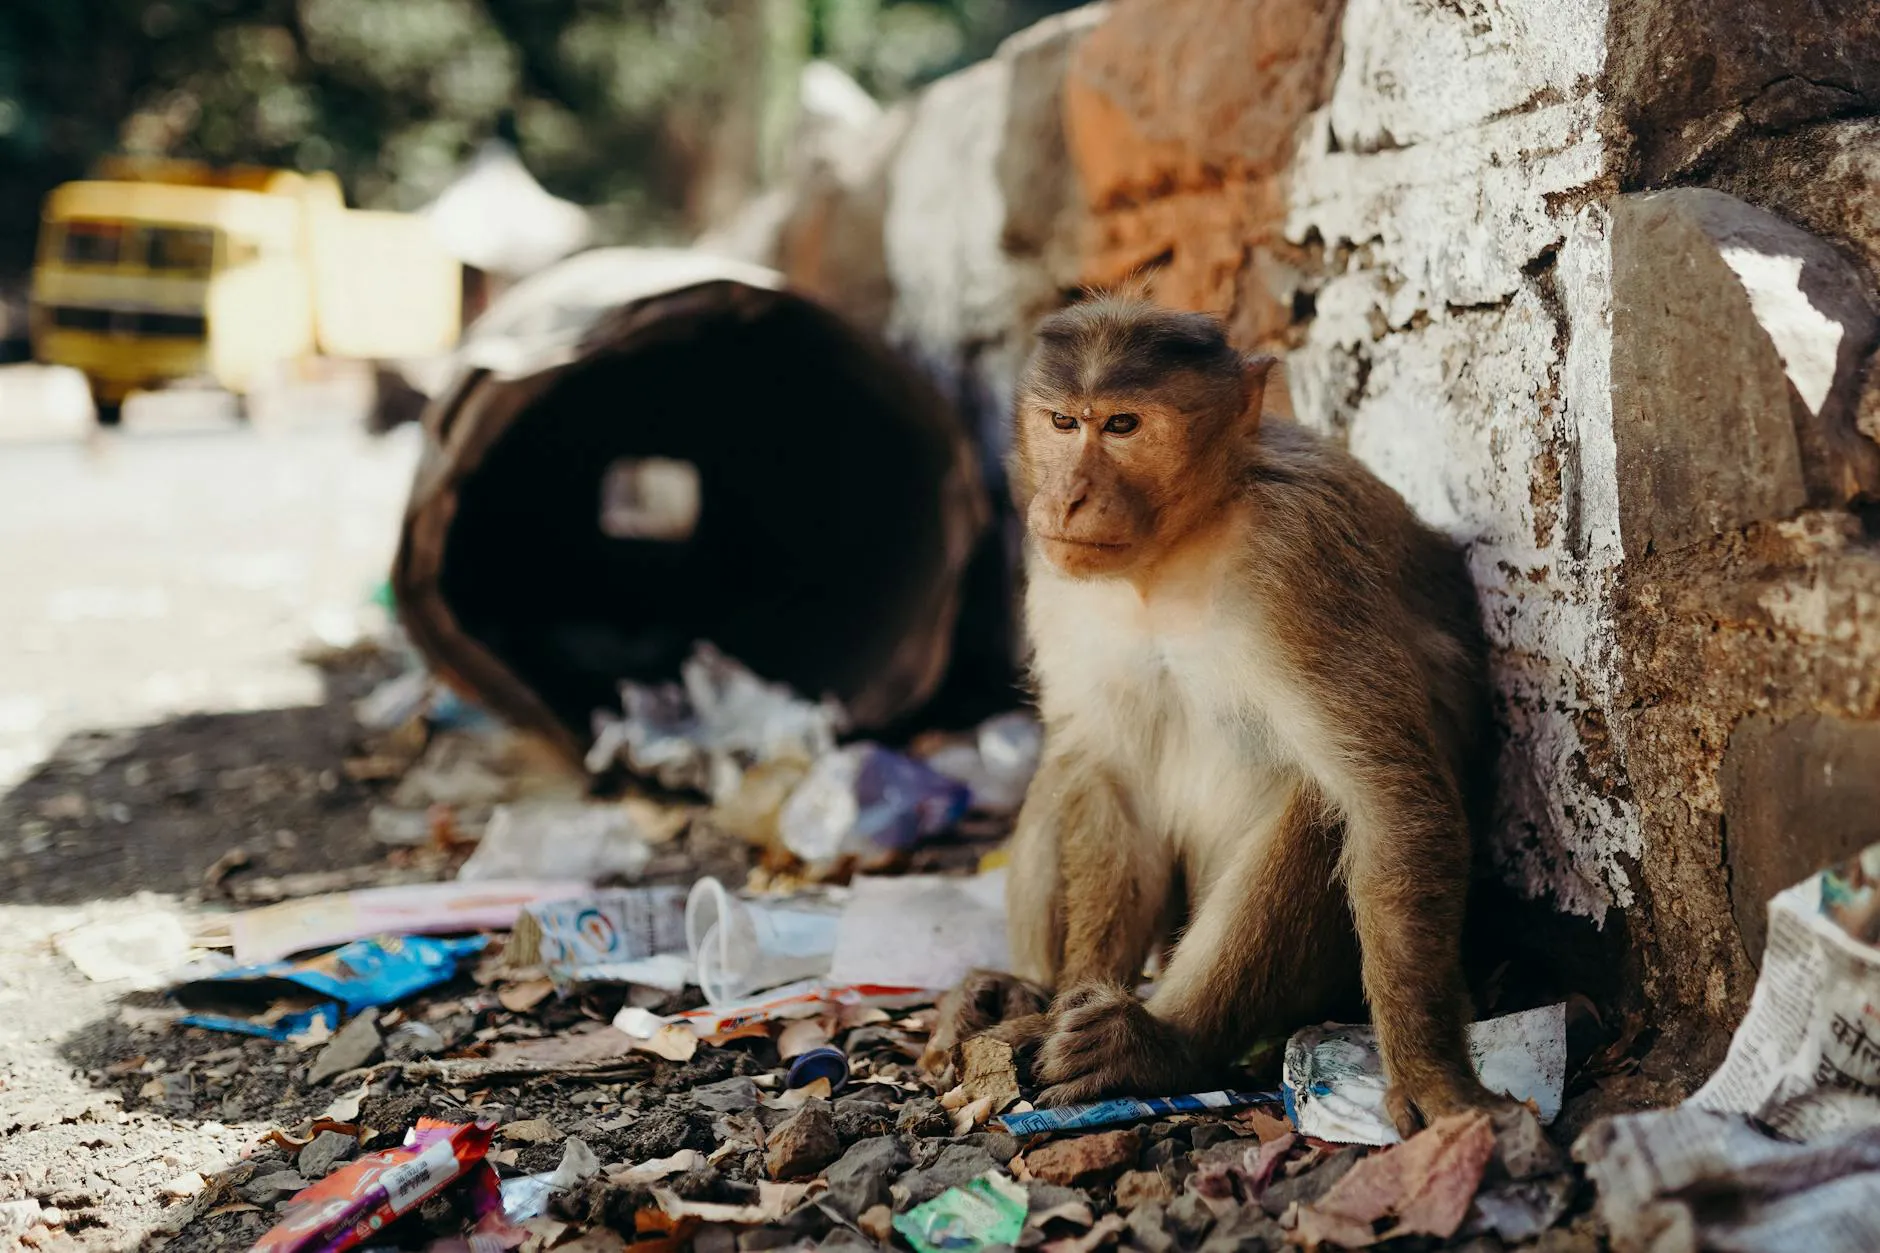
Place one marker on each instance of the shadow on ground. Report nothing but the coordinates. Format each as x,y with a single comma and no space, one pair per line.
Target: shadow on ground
155,808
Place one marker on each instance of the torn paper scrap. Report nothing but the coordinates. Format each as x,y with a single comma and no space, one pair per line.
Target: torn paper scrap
1686,1179
1334,1082
923,931
1807,1058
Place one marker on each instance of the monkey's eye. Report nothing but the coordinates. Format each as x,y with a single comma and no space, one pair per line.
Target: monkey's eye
1063,421
1122,423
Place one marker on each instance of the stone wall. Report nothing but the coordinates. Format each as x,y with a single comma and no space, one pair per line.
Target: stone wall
1590,282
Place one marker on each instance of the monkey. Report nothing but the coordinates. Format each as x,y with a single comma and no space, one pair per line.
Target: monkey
1264,690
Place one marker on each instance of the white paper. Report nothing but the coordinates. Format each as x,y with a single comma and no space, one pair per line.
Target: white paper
1807,1058
921,931
1335,1084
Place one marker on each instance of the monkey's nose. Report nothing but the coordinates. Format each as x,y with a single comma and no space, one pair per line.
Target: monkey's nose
1075,493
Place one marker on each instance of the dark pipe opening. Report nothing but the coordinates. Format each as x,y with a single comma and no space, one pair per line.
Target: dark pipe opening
836,509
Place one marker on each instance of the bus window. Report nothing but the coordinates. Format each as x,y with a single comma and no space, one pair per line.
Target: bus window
93,243
177,249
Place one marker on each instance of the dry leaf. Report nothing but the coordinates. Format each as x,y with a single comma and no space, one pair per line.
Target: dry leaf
152,1091
774,1200
954,1097
1426,1184
1263,1124
796,1098
852,1016
657,1169
800,1037
346,1108
520,998
529,1131
674,1041
237,1207
1103,1233
969,1116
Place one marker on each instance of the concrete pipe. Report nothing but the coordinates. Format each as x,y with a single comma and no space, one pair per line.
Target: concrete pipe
641,449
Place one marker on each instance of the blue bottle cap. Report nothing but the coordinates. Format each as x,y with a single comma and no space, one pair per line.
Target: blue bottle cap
827,1062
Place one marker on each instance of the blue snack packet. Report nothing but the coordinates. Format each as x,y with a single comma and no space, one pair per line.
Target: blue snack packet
350,978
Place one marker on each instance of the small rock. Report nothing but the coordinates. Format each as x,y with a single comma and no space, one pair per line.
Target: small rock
351,1047
803,1143
1085,1158
843,1238
859,1181
1146,1229
877,1223
325,1149
1162,1153
924,1116
18,1217
1139,1187
265,1190
1189,1216
863,1120
762,1239
953,1167
413,1039
1207,1134
1001,1146
727,1096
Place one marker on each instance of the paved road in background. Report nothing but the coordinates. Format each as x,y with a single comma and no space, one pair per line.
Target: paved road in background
177,565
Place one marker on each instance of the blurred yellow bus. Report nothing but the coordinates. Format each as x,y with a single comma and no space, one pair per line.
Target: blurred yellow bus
159,271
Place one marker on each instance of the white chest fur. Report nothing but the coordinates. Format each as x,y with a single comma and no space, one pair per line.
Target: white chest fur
1171,696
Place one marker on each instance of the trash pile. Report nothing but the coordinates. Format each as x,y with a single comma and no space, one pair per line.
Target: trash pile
684,1003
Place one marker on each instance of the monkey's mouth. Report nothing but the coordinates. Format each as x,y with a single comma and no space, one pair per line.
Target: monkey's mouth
1096,545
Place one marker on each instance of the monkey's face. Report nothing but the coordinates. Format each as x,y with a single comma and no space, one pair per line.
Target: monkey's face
1103,478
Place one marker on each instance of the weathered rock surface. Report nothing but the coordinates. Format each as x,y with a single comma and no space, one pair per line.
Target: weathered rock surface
802,1144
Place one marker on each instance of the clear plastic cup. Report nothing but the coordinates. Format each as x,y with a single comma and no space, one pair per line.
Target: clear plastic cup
741,948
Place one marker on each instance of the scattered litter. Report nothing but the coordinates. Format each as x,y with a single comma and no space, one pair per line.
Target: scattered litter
1685,1179
657,1169
278,999
558,839
1334,1077
924,931
1425,1185
1806,1059
865,800
798,1000
701,734
625,935
351,1204
741,948
826,1064
1126,1109
774,1200
997,765
143,949
987,1211
317,922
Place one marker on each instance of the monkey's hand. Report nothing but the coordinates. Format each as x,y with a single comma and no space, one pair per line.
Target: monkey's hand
1428,1094
986,1001
1102,1041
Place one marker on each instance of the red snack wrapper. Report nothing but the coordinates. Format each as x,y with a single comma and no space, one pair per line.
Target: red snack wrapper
351,1205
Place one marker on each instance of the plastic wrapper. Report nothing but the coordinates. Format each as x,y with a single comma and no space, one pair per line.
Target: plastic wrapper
741,948
1334,1081
998,764
866,800
799,1000
352,977
925,931
352,1205
558,840
703,733
987,1211
1128,1109
316,922
627,935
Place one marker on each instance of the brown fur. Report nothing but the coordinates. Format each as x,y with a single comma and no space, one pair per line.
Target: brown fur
1265,699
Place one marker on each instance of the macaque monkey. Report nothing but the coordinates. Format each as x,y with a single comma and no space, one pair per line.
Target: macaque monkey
1264,690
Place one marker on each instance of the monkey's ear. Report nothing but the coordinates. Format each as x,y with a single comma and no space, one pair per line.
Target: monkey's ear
1253,374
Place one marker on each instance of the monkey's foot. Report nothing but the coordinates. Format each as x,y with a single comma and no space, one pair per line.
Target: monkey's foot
986,1000
1102,1041
1430,1094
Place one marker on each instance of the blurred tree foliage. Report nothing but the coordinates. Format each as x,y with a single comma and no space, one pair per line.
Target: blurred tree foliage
661,113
